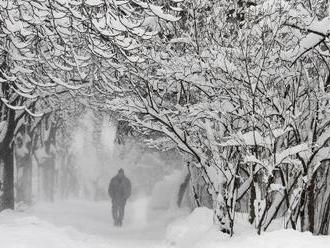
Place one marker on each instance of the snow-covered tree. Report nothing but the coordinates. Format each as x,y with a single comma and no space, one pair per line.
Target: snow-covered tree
49,48
238,89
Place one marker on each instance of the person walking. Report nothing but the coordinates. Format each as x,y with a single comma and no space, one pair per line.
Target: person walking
119,191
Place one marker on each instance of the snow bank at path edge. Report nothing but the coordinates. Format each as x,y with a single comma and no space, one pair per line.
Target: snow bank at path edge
197,231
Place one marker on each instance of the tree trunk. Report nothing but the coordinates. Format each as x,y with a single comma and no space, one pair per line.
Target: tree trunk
302,210
325,219
8,179
7,154
311,204
253,196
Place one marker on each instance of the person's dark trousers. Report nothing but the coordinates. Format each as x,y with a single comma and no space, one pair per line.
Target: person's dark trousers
118,211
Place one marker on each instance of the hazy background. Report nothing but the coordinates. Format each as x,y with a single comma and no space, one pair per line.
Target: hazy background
95,158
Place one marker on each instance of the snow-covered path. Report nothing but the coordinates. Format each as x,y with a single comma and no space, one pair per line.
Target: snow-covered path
84,224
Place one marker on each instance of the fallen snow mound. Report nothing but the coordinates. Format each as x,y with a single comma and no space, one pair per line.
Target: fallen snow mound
187,231
197,231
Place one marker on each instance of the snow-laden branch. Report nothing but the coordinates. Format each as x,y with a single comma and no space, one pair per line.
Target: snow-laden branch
21,108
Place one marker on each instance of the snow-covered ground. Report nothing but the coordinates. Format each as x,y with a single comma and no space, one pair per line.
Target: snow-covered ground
84,224
196,231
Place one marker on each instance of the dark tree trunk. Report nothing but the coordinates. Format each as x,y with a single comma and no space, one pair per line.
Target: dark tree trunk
325,220
302,210
8,179
7,154
324,217
252,213
311,204
6,146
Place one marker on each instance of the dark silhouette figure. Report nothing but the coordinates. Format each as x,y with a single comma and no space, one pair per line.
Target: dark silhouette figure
119,191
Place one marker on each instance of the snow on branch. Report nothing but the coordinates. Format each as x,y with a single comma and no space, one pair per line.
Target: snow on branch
21,108
158,11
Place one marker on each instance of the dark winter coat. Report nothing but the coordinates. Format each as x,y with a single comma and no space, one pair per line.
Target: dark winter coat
119,188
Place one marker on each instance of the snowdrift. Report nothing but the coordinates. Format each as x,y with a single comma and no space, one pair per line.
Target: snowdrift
197,231
187,231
